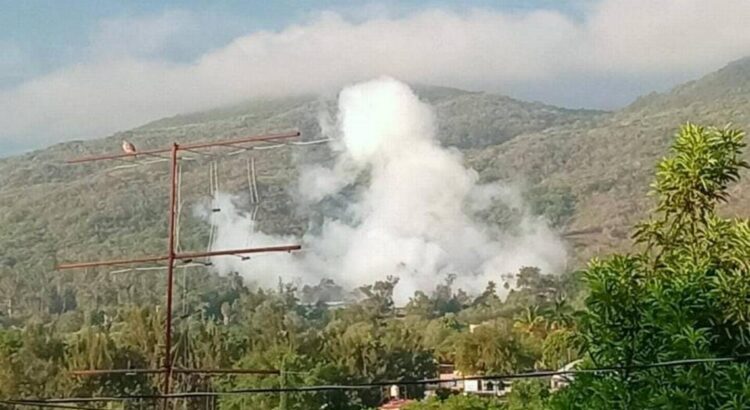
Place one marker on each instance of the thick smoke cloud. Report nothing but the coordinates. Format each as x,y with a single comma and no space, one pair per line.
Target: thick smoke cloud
414,219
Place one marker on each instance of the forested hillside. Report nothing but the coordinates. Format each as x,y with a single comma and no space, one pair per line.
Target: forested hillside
52,212
586,171
605,166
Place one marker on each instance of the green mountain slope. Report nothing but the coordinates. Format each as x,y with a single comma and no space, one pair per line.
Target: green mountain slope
587,171
52,212
607,165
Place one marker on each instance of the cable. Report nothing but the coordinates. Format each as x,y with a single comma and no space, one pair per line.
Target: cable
371,385
185,266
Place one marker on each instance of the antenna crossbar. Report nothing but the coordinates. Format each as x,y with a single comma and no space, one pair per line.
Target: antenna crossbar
178,256
195,146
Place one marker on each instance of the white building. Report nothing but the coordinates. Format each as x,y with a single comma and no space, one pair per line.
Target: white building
560,381
487,387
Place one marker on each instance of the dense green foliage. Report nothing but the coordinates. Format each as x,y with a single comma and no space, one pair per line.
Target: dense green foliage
686,295
231,325
458,403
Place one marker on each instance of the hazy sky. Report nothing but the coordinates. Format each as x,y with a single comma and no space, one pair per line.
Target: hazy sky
85,69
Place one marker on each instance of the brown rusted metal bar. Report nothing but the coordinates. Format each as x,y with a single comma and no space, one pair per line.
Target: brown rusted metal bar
246,140
114,262
170,270
284,248
102,372
178,256
42,405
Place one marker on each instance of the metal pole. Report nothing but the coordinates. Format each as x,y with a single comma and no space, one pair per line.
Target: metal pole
282,384
265,249
180,256
111,262
170,272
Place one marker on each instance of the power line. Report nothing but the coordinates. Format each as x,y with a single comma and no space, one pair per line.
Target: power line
371,385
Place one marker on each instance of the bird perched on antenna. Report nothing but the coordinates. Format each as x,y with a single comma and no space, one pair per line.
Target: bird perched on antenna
128,147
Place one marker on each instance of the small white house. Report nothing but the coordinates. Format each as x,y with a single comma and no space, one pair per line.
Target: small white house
487,387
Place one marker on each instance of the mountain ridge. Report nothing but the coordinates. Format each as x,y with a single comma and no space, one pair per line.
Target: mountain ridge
608,166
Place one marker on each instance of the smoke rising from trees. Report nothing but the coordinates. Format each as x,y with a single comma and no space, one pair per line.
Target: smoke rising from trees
414,216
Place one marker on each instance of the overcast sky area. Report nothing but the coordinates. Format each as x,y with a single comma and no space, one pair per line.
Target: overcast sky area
85,69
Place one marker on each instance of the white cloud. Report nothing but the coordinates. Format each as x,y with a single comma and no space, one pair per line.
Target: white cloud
620,40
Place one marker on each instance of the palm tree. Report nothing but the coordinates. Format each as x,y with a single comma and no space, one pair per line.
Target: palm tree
531,322
142,330
560,314
90,349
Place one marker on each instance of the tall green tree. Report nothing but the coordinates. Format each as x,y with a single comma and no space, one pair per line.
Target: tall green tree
493,348
685,295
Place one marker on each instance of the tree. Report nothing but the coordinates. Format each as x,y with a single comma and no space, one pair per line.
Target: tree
559,315
378,299
141,329
445,299
532,322
492,348
92,348
459,402
559,348
489,297
528,395
420,305
686,295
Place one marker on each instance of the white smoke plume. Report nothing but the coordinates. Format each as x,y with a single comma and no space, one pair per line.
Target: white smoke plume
414,218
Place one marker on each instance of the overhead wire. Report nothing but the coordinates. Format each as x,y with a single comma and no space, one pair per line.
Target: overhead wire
380,384
213,188
274,146
152,268
178,229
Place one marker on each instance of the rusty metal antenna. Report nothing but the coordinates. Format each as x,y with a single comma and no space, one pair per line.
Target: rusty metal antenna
172,255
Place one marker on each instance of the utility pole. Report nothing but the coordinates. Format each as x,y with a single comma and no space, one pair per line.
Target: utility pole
172,256
282,383
170,269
